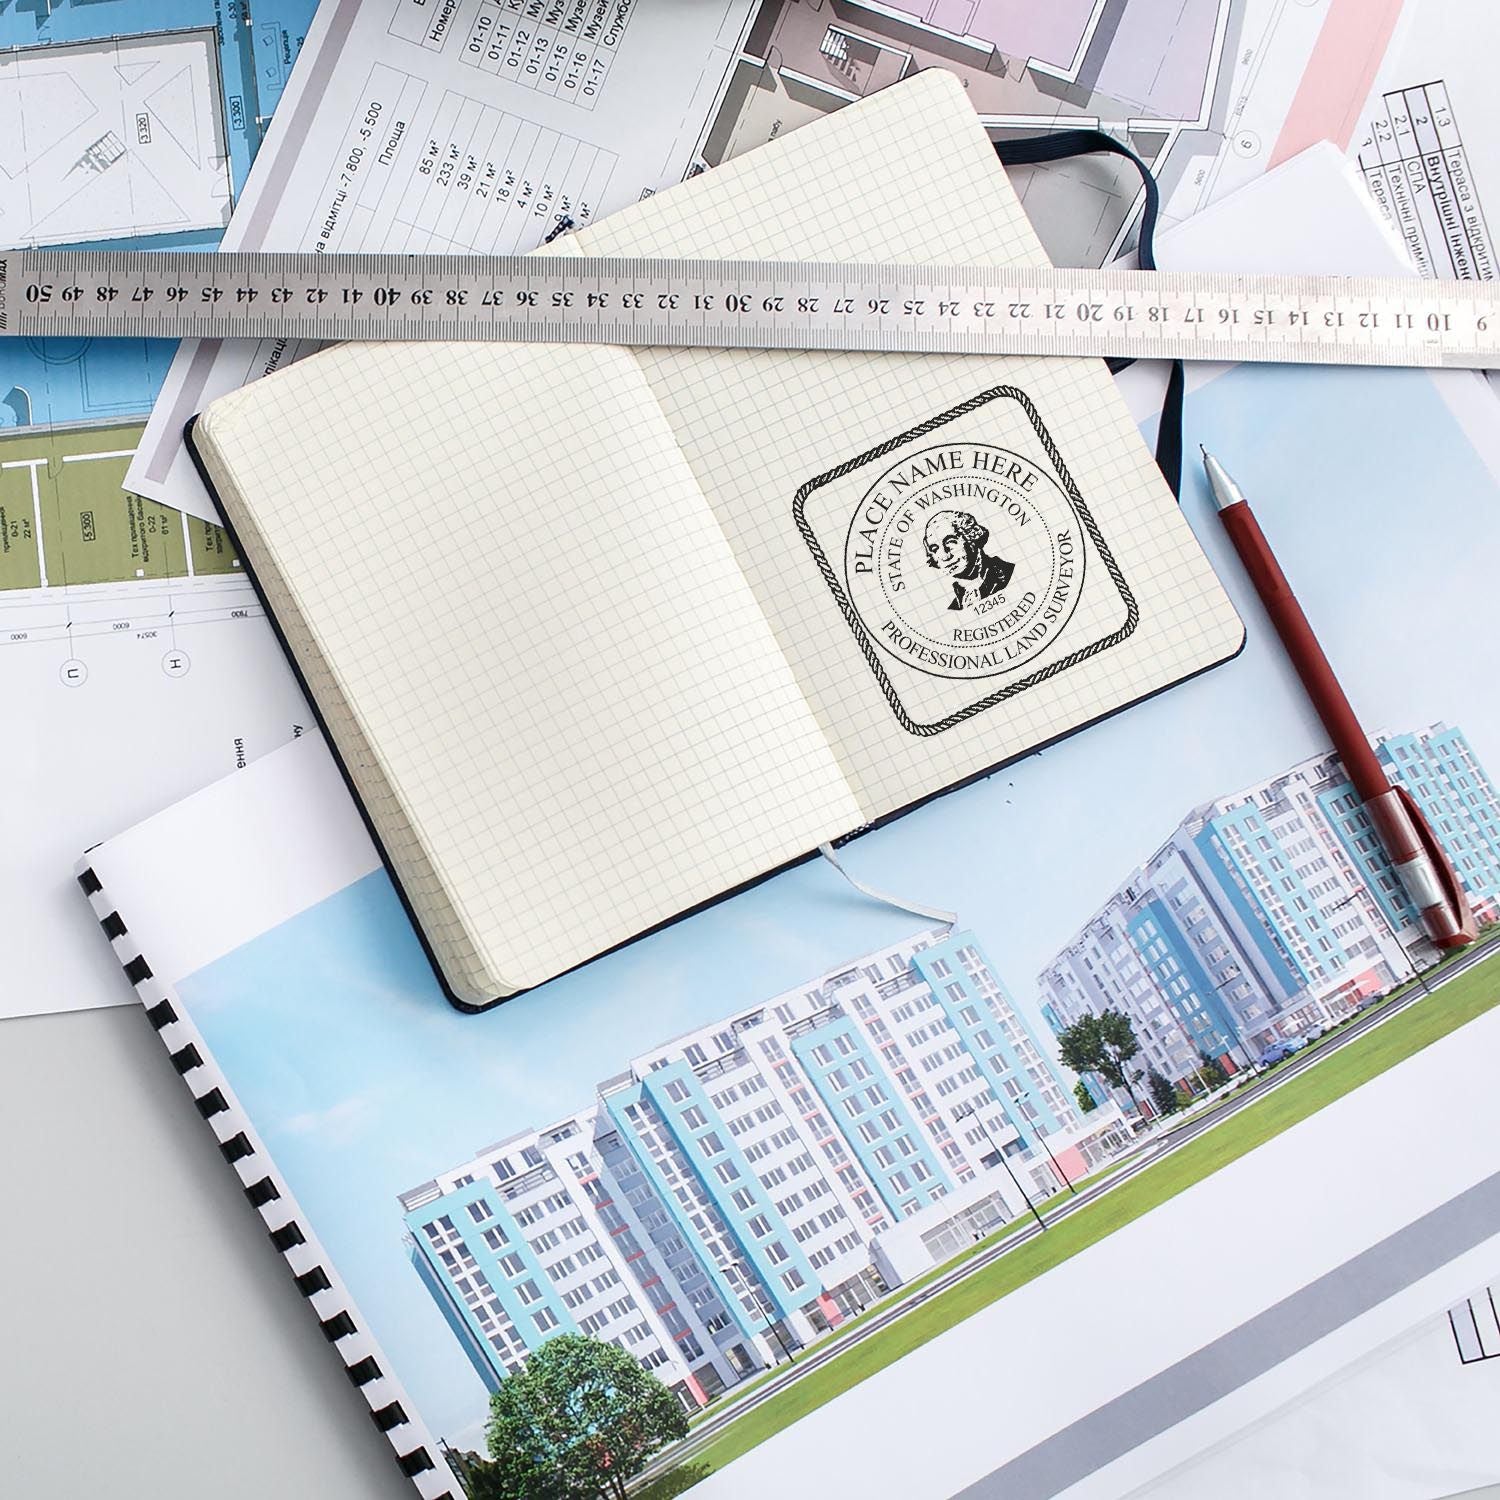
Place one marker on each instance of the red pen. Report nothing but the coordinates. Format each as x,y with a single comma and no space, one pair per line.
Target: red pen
1425,871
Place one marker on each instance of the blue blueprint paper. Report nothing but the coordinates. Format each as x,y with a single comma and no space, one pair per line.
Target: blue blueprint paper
67,382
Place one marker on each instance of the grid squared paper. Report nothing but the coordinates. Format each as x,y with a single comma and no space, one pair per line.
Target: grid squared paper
534,648
910,176
576,653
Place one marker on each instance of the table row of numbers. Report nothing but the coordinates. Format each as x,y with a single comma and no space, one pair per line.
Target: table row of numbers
560,48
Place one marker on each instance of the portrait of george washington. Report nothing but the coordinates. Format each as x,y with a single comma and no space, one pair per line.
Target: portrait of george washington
954,541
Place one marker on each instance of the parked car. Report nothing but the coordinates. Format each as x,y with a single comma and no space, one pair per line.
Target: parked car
1275,1053
1314,1031
1297,1043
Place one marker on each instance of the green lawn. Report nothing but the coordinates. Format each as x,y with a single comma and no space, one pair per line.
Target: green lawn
1424,1022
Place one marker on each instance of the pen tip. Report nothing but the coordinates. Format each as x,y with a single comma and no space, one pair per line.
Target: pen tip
1203,450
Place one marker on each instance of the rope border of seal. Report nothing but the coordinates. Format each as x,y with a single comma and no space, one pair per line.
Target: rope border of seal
1075,499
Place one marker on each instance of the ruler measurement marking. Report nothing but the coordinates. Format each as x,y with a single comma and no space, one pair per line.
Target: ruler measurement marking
651,301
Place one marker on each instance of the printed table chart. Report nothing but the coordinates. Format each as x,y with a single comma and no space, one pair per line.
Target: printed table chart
1417,170
561,48
459,177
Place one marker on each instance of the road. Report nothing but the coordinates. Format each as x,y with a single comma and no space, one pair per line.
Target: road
1146,1155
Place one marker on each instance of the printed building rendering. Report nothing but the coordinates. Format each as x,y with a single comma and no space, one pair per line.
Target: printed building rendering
735,1192
1272,910
740,1189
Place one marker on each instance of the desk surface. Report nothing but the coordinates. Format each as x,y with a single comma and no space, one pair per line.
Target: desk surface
153,1342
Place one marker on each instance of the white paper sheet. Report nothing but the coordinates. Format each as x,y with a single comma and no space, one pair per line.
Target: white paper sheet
1414,1421
411,127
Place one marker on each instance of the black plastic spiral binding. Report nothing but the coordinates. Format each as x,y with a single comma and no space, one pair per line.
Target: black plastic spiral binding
270,1197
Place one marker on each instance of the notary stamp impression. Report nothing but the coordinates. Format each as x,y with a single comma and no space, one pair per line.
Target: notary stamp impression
964,558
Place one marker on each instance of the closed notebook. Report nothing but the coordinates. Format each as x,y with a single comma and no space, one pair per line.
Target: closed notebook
600,635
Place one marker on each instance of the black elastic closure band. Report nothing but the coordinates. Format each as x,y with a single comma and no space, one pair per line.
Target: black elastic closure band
1059,145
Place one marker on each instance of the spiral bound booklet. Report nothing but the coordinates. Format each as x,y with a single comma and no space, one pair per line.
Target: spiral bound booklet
760,1196
600,635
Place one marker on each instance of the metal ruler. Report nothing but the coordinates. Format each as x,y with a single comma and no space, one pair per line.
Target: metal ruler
752,305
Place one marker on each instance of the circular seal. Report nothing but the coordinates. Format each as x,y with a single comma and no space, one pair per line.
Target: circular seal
964,560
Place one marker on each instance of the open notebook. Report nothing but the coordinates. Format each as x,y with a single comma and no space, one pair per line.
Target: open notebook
600,635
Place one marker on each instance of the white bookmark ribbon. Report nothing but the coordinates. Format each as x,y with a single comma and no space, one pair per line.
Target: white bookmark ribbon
932,913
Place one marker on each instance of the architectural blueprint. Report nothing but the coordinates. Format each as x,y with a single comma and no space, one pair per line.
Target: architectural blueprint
129,640
135,119
126,123
1209,92
471,126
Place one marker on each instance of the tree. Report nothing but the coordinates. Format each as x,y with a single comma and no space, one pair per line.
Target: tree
1086,1101
580,1420
1101,1044
478,1478
1212,1072
1163,1095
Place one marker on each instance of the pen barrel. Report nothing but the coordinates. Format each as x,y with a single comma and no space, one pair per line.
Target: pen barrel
1312,666
1417,858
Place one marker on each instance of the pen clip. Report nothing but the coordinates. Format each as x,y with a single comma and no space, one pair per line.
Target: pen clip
1453,891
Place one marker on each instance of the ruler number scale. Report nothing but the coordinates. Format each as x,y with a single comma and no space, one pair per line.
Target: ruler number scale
752,304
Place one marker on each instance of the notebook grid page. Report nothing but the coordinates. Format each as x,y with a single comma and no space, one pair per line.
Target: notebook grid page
535,616
910,175
450,941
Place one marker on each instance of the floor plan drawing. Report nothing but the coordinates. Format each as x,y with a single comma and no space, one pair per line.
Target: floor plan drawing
125,124
1204,90
112,139
135,120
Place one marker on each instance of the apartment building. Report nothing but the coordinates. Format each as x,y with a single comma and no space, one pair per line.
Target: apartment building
1272,909
722,1199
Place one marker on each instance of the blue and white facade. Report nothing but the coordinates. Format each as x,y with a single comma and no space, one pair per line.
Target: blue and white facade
1273,909
1437,765
722,1200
